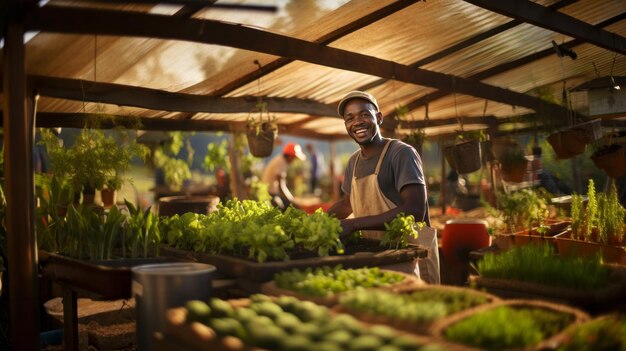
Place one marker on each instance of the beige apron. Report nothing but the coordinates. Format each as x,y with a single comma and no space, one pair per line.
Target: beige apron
367,199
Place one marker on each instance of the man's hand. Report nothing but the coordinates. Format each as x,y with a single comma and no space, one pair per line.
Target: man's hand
347,225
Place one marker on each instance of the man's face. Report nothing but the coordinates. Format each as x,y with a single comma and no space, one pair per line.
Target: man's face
361,120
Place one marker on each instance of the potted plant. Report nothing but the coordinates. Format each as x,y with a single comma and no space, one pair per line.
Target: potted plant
261,130
91,161
573,140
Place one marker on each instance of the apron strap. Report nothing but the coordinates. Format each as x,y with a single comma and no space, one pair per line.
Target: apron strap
382,156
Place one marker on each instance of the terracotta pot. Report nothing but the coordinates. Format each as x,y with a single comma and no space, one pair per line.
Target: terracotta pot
108,197
571,247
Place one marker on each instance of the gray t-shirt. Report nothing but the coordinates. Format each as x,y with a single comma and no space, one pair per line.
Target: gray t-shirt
401,166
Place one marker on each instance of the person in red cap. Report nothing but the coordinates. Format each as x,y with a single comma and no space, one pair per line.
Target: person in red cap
275,175
383,179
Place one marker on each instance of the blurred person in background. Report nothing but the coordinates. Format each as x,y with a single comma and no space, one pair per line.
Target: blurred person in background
275,175
317,166
547,179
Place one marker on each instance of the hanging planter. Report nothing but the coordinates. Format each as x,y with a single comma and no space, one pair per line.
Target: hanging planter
464,156
573,140
261,131
513,164
611,159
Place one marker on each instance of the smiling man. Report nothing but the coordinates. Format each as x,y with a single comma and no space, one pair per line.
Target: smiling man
384,178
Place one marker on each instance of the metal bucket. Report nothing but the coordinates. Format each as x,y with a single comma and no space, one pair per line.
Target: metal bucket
158,287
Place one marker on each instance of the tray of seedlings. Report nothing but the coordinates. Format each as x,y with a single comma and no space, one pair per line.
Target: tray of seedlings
413,309
325,285
536,271
509,325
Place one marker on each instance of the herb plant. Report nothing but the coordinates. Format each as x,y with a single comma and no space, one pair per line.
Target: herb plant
399,230
603,334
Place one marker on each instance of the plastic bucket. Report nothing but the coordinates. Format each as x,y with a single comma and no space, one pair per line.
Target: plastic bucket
462,235
158,287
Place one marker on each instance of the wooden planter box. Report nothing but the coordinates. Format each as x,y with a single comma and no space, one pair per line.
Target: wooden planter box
438,330
526,237
408,326
253,271
110,279
592,299
571,247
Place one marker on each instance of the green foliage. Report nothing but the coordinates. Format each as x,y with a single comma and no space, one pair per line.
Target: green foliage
254,228
326,281
141,232
506,327
421,306
398,231
217,156
611,216
512,155
603,334
260,119
523,209
259,191
93,160
578,215
176,171
591,218
540,264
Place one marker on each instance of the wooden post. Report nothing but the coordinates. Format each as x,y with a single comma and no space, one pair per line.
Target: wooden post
442,186
236,178
19,190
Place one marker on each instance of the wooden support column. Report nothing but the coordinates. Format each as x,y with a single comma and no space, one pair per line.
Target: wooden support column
236,177
19,190
442,186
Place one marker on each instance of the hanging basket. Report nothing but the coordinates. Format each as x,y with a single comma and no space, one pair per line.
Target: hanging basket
261,142
567,143
464,157
611,159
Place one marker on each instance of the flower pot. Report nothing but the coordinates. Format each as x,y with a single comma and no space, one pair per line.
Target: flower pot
464,157
261,141
108,197
513,172
611,159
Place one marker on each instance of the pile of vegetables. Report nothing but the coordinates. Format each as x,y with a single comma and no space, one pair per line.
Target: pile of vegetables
422,306
540,264
286,323
326,281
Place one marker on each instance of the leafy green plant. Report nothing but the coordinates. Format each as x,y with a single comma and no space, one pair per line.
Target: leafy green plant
260,119
217,156
611,216
326,281
506,327
522,209
399,230
540,264
176,171
93,160
141,233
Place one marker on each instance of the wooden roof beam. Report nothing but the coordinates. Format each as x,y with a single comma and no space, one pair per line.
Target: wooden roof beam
154,99
541,16
51,19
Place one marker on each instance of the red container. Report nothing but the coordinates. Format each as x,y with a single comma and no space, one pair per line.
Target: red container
462,235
